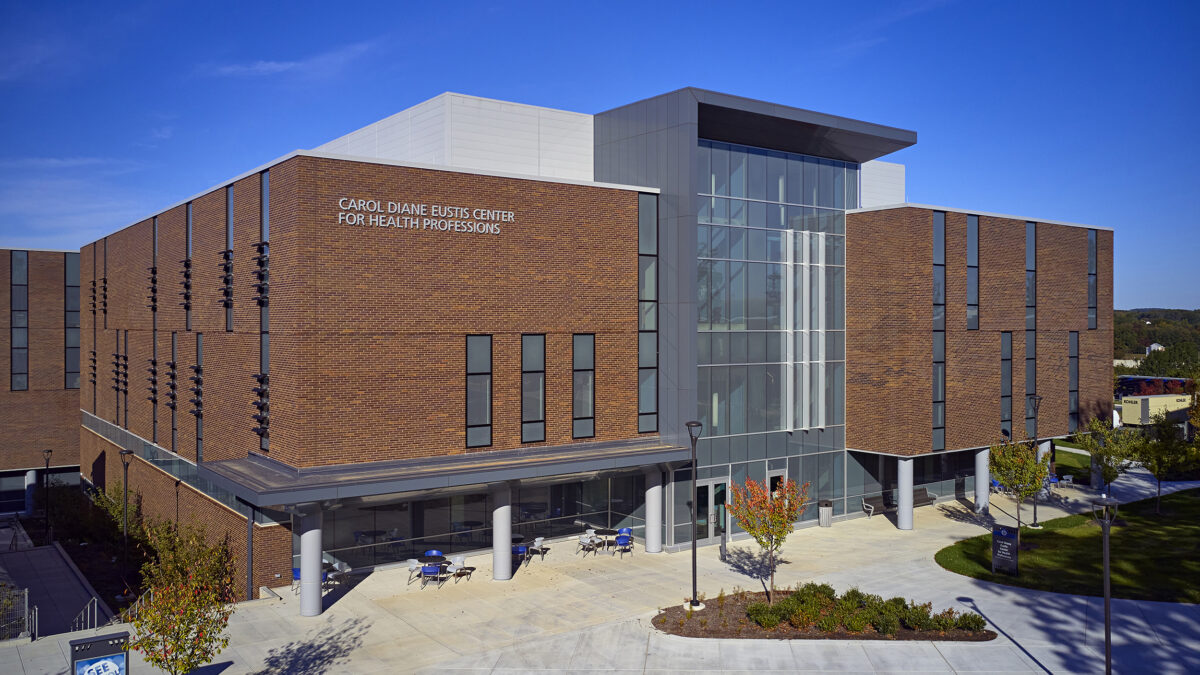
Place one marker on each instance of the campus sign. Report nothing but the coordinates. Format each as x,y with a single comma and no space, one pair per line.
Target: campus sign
420,216
1004,550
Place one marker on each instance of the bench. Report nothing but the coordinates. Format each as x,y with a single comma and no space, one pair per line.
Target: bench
921,497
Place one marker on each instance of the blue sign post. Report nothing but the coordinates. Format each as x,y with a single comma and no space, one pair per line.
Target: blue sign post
101,655
1004,550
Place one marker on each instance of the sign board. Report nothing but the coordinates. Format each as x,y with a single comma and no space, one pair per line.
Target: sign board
1004,550
101,655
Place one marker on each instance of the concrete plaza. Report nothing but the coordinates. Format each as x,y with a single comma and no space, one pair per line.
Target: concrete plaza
575,613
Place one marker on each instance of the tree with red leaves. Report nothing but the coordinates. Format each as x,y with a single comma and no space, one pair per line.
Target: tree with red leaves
768,517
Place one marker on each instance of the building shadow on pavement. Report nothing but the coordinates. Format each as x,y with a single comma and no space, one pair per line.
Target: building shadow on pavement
342,587
320,652
965,513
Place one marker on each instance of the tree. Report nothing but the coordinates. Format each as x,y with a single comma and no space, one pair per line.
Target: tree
1112,450
1016,466
1164,452
180,621
768,517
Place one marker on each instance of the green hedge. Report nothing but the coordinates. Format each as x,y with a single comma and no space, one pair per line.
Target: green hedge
854,611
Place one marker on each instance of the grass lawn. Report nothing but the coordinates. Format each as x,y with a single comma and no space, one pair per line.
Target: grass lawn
1153,557
1079,466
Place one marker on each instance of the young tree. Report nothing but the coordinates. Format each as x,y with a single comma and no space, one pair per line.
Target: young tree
180,621
1164,452
1016,466
768,517
1112,450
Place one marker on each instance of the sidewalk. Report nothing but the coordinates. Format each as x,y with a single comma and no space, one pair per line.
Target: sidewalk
581,613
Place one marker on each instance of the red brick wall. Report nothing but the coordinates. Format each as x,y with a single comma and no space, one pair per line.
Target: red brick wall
367,322
159,497
889,304
44,416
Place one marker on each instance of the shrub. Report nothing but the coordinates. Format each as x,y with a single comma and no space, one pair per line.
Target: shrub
971,621
853,598
817,590
858,621
828,623
801,619
945,620
763,614
872,602
886,623
916,617
896,605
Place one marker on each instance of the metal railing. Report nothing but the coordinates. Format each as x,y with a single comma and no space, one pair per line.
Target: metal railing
86,618
128,614
14,611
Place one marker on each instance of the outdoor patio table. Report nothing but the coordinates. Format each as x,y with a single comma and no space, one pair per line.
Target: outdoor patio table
606,533
432,559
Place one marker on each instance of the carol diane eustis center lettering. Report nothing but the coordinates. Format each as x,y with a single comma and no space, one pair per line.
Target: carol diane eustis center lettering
407,215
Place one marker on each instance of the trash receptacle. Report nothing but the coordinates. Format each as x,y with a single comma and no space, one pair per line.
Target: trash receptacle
825,513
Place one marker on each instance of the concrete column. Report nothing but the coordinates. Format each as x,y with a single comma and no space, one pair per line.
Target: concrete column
1042,451
983,480
904,493
654,511
501,532
31,485
310,522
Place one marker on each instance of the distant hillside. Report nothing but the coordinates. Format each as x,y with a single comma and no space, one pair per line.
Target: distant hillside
1168,327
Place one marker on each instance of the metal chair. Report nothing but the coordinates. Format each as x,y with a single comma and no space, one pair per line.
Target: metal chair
414,569
587,543
625,544
539,548
434,572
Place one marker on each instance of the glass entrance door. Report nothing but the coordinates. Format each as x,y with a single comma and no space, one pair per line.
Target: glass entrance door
710,512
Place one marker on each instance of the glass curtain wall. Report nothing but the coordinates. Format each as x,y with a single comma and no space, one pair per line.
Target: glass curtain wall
771,278
392,528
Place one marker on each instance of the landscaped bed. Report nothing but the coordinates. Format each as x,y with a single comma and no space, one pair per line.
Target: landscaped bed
816,612
1154,557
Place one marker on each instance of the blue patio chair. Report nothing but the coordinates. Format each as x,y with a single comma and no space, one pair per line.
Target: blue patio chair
433,551
433,572
296,579
625,544
522,552
625,530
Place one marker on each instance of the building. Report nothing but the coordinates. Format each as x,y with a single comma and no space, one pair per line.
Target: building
39,334
476,319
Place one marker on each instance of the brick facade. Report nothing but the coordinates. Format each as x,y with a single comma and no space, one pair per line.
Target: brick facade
889,333
47,414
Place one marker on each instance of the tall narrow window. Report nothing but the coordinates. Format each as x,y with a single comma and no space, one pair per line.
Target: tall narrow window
533,388
972,272
939,330
583,386
1073,382
19,348
1006,382
71,320
1091,279
647,313
1030,327
479,391
262,286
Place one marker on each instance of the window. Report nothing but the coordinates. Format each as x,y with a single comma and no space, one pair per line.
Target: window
583,386
71,320
533,388
1091,279
939,330
262,276
1073,382
647,315
1030,327
19,350
1006,382
479,391
972,272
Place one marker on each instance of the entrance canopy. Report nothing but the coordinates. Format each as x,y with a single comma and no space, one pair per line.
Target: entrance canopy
264,482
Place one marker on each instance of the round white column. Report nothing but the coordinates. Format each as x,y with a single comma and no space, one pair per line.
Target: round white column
310,523
654,511
983,480
501,532
904,493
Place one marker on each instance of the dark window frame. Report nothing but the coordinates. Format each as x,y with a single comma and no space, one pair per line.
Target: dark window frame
1031,421
575,416
972,272
15,383
542,419
938,368
467,390
1006,386
1073,381
1093,290
71,291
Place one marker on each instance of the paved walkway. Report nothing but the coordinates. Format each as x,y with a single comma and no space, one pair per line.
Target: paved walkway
55,586
578,614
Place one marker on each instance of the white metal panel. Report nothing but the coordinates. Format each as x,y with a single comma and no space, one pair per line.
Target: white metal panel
882,183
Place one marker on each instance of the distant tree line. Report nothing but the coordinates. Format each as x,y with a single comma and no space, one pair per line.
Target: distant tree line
1168,327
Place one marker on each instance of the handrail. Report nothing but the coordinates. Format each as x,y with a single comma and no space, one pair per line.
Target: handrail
128,614
33,632
86,618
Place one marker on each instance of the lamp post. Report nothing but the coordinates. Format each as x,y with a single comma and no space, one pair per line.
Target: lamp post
693,429
126,457
46,492
1104,510
1036,401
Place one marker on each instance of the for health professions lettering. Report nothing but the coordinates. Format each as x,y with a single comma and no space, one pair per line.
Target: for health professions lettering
416,216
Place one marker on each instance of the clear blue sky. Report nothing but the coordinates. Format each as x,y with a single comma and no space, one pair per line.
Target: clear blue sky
1075,111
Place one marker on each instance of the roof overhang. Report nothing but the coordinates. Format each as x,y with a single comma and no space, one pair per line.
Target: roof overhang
734,119
265,482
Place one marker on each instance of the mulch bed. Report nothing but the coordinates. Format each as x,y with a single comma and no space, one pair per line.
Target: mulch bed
729,620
